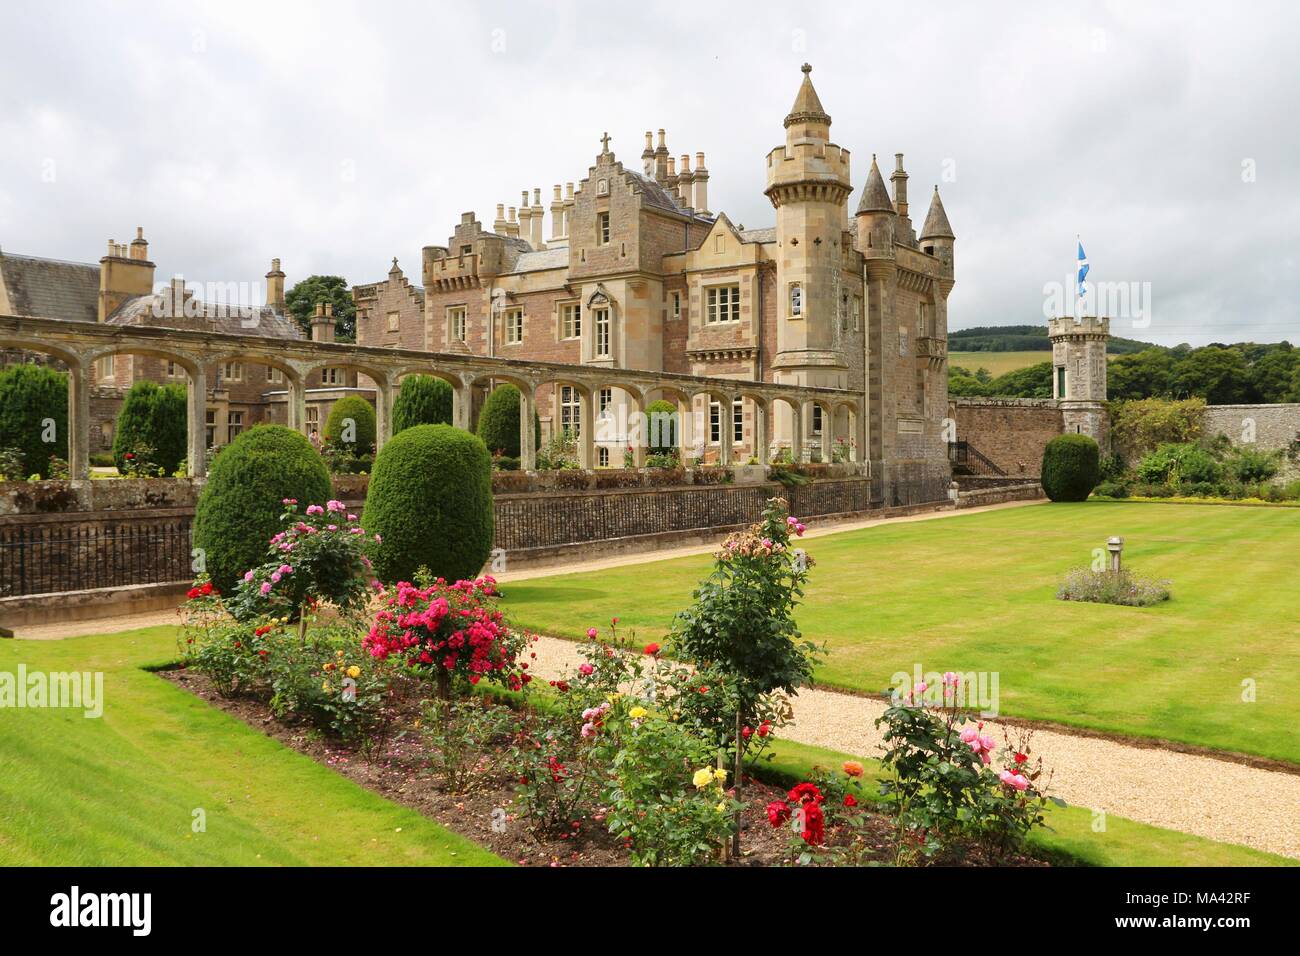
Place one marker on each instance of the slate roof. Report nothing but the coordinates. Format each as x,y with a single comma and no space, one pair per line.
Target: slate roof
51,288
557,258
875,197
758,235
264,321
936,220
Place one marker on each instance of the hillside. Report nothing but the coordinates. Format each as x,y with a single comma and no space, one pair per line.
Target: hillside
1025,338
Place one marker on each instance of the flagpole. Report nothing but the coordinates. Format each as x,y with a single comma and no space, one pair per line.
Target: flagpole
1078,243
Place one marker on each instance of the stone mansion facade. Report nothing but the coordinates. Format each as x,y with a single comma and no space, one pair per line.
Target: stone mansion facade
638,273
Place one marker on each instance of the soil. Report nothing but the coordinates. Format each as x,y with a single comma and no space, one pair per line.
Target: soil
484,813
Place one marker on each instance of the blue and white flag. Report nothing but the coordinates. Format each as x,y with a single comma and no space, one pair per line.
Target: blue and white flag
1083,270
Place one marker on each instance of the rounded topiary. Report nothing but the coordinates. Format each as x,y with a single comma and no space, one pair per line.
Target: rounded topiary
152,416
498,422
430,502
33,408
351,425
661,427
422,400
239,510
1071,467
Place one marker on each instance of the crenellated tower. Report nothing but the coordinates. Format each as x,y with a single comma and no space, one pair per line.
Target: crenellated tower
808,184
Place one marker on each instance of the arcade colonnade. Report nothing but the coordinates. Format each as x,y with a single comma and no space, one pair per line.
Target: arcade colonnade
80,344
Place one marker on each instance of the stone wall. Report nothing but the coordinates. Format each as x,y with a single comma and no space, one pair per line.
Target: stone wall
1010,433
1267,427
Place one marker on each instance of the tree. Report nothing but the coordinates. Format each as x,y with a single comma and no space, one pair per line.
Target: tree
662,427
153,421
1147,374
430,504
351,425
34,416
1214,373
302,299
1034,381
1071,467
498,422
422,400
239,510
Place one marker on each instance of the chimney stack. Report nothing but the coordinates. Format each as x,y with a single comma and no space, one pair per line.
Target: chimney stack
661,158
322,323
701,180
538,220
275,286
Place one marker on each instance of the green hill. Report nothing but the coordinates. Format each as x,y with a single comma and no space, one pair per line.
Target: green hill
1025,338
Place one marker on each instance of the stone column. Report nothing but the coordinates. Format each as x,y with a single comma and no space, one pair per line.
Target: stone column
527,435
726,428
383,413
196,423
586,429
760,433
296,416
828,434
79,420
796,432
685,412
637,432
462,400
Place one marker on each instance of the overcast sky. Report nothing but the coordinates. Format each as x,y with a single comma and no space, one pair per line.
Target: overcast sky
337,136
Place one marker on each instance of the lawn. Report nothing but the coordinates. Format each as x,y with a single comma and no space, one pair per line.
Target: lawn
122,789
976,593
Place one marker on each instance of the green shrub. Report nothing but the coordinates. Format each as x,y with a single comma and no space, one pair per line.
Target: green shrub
351,425
422,400
1249,465
1137,427
430,502
152,418
498,422
103,459
1180,464
661,428
1111,489
240,507
34,407
1071,467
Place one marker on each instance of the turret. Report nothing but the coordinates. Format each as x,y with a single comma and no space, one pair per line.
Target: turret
936,235
875,217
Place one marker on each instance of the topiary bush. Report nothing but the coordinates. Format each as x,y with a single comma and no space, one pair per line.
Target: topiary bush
422,400
351,425
661,428
1071,467
430,503
240,507
498,422
152,417
34,407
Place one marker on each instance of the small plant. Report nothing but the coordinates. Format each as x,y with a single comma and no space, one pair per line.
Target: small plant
1112,587
463,732
11,464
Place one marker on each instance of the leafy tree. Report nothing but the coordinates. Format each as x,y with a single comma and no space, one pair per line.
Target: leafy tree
1034,381
662,427
33,408
152,417
302,299
1215,373
430,503
1270,374
422,400
498,422
1071,467
1139,426
359,414
240,507
1147,374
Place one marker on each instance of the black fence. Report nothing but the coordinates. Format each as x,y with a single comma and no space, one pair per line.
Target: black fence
45,557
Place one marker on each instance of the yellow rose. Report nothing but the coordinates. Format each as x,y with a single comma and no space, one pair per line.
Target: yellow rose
325,686
722,807
703,778
636,713
354,671
721,775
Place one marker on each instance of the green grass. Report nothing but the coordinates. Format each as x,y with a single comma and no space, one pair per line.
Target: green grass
120,790
998,363
1070,838
977,593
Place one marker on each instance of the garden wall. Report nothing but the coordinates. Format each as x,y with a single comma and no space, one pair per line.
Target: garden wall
1010,433
1272,427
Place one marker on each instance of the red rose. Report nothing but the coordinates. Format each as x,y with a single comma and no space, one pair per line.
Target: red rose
192,593
814,825
747,732
764,729
652,649
849,800
777,813
805,793
1021,758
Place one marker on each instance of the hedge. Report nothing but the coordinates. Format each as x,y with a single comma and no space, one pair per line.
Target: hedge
664,428
33,407
152,415
498,422
239,510
1071,467
362,415
422,400
430,502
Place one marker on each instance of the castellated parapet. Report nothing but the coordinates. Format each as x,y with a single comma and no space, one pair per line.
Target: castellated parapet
1079,373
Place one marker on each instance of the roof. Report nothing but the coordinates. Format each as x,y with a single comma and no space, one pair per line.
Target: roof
51,288
262,321
758,235
936,220
807,104
875,197
555,258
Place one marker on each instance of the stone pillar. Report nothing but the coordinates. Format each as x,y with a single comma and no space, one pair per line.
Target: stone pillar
760,433
685,412
461,405
586,429
296,416
726,428
79,420
796,432
639,436
527,435
196,422
828,434
383,413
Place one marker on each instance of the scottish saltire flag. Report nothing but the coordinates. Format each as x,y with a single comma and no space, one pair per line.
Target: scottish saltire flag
1083,269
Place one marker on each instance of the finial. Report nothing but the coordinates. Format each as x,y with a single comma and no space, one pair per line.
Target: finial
394,260
807,67
604,143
